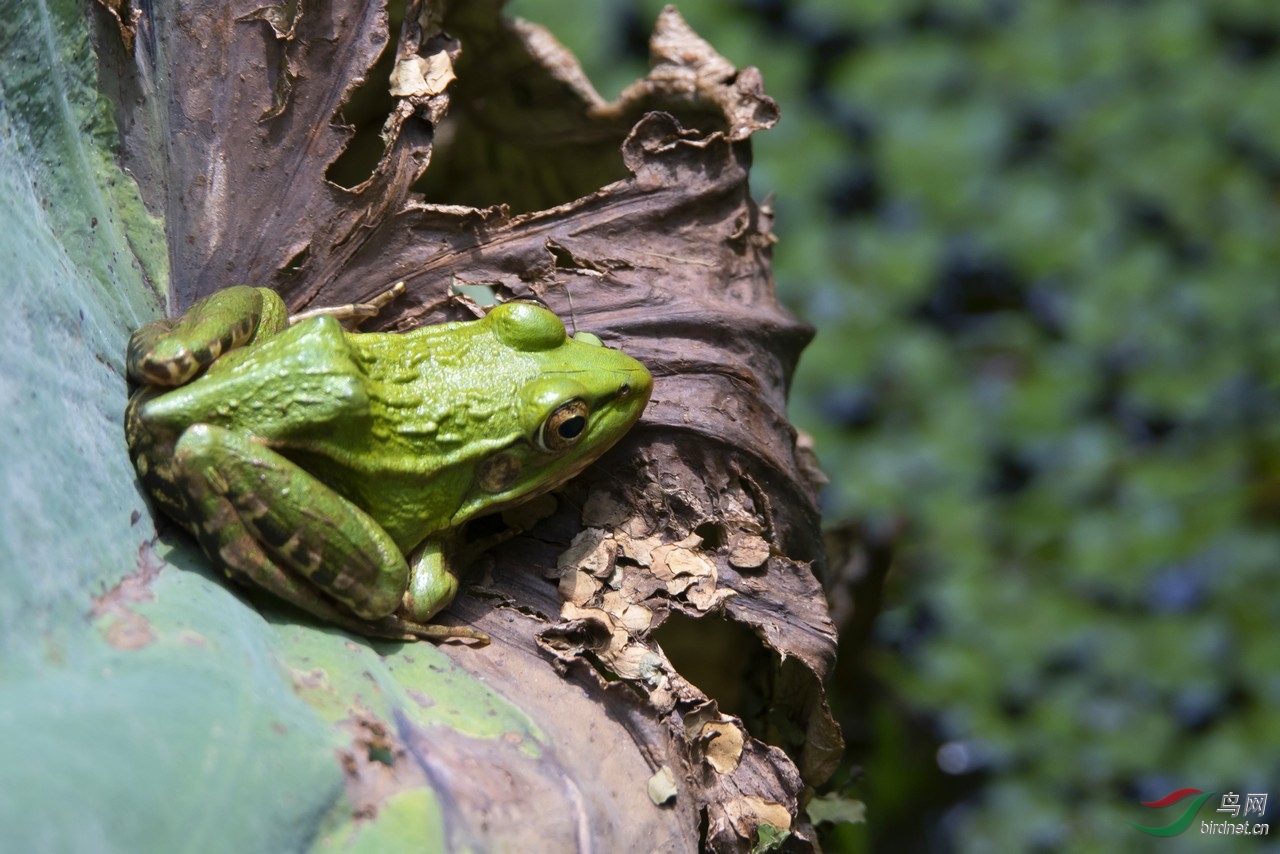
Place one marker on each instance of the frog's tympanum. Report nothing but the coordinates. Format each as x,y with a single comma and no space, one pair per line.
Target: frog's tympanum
336,469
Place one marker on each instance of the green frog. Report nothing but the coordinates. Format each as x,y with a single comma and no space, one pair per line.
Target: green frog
336,469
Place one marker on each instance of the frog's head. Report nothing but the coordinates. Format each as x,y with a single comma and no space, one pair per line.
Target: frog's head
574,400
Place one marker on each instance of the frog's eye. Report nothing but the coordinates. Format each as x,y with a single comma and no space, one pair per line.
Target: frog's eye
563,427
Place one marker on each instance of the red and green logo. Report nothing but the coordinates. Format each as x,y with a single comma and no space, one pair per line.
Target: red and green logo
1183,821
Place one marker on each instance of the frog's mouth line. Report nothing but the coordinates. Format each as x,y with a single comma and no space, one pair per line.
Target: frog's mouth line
498,502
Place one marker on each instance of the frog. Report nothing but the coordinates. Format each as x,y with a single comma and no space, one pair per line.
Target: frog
337,469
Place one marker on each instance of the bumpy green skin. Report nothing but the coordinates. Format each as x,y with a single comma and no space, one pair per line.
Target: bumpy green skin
335,469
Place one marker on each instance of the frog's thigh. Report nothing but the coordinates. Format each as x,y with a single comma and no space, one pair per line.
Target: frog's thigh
304,527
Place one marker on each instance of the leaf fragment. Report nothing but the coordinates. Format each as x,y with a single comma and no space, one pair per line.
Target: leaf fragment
662,786
750,812
749,552
724,749
837,810
422,76
578,587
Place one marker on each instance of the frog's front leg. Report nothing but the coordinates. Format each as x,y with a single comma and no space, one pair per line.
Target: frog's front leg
272,524
432,584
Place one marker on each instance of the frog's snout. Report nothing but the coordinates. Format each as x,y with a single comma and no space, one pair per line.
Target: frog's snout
635,387
638,385
622,383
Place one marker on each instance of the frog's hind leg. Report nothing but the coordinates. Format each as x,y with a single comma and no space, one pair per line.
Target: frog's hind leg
152,455
232,548
271,524
171,351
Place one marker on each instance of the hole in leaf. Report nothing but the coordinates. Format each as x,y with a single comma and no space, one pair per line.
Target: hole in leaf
713,535
516,135
482,294
713,653
366,110
562,257
298,261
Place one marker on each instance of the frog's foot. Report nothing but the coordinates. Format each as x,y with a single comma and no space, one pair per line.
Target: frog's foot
272,525
170,352
395,627
354,313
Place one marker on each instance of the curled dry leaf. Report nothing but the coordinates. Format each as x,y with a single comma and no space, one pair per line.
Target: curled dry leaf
422,76
500,166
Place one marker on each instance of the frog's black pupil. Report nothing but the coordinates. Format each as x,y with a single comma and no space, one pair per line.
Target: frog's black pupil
571,427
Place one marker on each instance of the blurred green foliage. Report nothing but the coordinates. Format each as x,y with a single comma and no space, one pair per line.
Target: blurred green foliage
1041,242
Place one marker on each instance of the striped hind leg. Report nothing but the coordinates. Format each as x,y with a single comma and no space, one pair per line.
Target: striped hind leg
272,525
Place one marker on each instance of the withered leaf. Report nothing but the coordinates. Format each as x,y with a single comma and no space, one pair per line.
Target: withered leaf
496,164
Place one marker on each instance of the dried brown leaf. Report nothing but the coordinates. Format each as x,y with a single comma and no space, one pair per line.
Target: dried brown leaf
632,220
